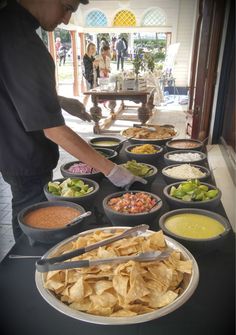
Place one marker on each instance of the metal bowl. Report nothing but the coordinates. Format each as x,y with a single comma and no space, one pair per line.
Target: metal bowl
189,285
157,141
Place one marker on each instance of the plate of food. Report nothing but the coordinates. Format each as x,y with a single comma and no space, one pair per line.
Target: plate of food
127,292
157,134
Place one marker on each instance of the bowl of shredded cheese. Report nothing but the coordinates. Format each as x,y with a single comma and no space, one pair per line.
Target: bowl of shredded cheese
180,172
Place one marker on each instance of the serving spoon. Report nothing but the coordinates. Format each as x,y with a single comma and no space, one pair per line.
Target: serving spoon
72,222
146,128
123,141
81,216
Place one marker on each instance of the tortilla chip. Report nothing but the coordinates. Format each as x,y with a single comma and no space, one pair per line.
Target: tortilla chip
157,301
83,305
54,285
101,286
185,266
137,285
120,290
157,240
120,284
105,300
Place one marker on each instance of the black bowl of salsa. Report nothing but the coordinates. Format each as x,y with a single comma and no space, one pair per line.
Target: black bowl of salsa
131,208
46,222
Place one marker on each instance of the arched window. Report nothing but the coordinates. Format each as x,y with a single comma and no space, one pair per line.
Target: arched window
154,17
124,18
96,19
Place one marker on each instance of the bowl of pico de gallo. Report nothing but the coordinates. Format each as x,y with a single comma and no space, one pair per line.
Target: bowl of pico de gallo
132,207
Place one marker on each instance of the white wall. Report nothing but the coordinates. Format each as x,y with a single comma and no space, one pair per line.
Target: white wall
185,35
181,17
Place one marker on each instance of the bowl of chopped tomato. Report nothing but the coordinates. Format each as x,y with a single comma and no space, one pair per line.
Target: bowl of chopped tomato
132,207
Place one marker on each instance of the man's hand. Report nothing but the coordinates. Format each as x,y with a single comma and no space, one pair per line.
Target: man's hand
74,107
121,177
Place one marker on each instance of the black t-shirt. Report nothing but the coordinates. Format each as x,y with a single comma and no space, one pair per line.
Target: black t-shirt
28,97
88,68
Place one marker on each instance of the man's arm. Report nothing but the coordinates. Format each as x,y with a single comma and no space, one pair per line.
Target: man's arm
74,107
77,147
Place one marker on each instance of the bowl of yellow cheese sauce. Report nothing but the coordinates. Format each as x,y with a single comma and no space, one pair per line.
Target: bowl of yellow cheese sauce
195,228
108,142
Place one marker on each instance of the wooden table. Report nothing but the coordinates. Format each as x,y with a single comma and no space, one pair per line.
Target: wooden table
98,96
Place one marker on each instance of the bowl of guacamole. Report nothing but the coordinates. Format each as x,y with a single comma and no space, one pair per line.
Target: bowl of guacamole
143,170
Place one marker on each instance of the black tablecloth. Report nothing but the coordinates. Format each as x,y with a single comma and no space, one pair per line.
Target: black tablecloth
209,311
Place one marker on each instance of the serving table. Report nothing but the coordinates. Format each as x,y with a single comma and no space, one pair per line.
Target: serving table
209,311
97,95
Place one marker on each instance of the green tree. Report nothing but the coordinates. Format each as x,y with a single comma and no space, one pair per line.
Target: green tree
64,35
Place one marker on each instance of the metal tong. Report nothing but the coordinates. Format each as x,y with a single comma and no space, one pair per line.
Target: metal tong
142,257
56,263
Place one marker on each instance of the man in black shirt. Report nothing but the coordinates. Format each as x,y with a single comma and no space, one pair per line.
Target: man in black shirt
31,123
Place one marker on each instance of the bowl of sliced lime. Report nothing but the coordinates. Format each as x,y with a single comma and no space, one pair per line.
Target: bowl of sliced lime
82,191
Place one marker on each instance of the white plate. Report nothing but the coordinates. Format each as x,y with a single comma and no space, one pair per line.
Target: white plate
189,285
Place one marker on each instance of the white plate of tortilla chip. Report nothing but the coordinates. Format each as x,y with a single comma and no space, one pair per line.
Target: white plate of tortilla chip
119,294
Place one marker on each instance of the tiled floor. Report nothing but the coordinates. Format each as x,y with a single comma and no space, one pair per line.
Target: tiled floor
170,113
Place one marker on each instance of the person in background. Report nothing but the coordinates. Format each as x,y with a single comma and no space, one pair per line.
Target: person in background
104,62
103,43
90,65
90,69
62,54
57,46
120,47
31,122
125,51
113,48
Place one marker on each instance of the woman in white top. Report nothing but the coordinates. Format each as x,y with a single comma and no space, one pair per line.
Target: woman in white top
104,62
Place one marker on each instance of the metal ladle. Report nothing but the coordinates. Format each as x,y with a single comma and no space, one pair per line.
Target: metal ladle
81,216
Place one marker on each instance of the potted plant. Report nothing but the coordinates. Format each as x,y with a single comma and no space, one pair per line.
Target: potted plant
138,62
149,59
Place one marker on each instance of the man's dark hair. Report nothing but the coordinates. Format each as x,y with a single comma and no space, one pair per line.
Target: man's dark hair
84,2
105,48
